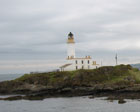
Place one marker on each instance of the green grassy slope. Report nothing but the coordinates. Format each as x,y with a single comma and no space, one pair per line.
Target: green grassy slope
104,75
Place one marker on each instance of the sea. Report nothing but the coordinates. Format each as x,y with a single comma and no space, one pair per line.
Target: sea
4,77
67,104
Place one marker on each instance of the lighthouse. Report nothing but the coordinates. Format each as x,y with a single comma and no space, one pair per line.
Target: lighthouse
73,62
70,46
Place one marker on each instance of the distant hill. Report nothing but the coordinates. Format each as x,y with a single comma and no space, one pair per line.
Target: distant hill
136,65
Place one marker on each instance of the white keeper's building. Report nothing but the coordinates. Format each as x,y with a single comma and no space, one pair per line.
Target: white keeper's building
75,63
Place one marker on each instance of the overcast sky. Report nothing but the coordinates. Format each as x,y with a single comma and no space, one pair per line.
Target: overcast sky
33,33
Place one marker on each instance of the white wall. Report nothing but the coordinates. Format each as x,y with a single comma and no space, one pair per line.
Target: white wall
79,64
71,50
85,64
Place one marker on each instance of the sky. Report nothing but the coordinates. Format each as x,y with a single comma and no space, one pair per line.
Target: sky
33,33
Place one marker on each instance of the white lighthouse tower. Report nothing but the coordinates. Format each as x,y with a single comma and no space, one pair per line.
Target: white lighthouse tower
71,46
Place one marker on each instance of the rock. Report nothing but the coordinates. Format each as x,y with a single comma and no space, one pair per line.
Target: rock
91,97
12,98
130,79
121,101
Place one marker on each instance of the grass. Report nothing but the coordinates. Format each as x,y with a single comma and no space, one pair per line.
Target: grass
103,75
135,73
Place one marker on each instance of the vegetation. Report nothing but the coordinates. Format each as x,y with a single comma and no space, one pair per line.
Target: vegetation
135,73
103,75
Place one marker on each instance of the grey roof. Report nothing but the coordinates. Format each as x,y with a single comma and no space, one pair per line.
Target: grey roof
66,65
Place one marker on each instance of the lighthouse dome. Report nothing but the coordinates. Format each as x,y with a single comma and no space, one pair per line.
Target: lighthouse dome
70,38
70,34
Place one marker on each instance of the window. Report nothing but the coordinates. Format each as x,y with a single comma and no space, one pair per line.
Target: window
76,67
88,61
76,62
82,62
82,67
88,67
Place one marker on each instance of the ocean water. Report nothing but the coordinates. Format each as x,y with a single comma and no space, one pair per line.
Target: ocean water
4,77
74,104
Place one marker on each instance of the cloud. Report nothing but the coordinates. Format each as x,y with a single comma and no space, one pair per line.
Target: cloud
37,30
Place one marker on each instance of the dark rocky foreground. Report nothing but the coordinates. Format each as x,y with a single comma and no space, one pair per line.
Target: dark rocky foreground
110,93
115,83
